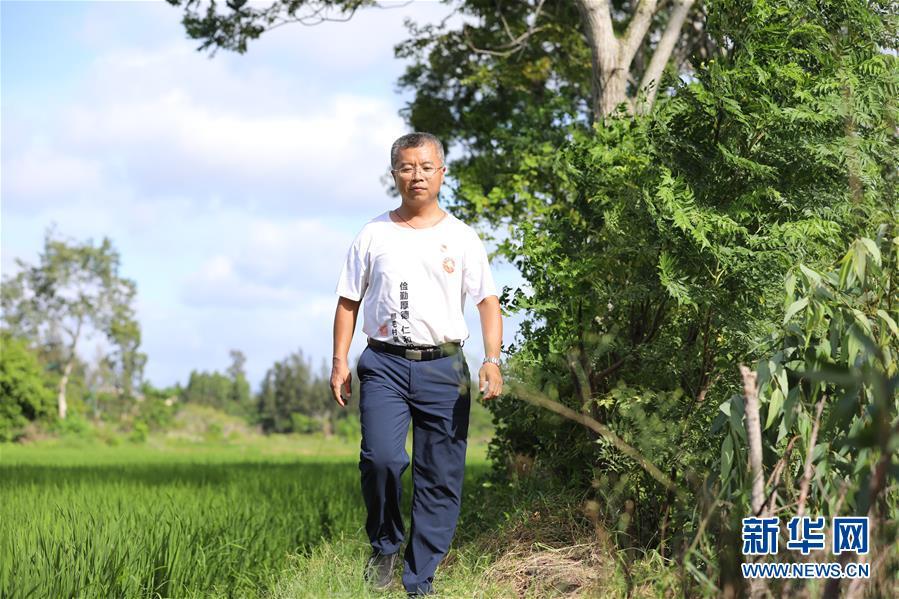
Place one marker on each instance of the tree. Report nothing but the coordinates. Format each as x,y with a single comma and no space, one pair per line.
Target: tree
240,387
829,390
293,399
659,264
229,392
76,289
24,393
212,389
630,42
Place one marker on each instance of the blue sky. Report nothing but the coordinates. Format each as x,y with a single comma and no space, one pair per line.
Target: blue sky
231,186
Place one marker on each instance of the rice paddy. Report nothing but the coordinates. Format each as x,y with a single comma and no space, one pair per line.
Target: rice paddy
184,521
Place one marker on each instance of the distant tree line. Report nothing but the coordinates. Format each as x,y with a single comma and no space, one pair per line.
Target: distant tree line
75,293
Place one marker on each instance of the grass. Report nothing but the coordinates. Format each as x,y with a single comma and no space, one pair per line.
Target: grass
178,519
279,517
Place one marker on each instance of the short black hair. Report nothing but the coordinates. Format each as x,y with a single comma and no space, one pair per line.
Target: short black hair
414,140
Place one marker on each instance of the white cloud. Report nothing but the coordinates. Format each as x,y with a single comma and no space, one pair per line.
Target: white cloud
231,186
267,263
40,173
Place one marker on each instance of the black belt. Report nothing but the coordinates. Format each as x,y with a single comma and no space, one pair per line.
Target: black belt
417,352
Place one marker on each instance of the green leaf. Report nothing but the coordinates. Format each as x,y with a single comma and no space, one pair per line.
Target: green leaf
794,308
775,407
789,408
790,285
782,380
873,250
811,275
727,457
859,261
890,322
853,344
736,416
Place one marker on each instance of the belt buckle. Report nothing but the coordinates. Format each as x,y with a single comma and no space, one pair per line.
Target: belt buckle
413,354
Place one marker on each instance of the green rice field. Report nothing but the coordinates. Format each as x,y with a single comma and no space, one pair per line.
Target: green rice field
263,518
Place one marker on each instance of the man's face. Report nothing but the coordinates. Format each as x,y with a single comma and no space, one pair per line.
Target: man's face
418,174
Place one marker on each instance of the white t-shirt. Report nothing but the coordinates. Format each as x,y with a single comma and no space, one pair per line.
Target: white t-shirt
415,281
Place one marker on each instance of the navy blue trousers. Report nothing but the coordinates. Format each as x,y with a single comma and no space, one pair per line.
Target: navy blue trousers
436,396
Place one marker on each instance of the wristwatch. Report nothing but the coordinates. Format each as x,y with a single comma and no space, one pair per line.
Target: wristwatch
493,361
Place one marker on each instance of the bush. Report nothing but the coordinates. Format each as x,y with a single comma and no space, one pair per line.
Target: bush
153,409
349,428
300,423
74,425
139,432
213,432
24,393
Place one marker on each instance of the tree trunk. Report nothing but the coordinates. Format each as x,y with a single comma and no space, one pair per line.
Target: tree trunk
67,371
613,58
662,54
61,397
758,587
607,83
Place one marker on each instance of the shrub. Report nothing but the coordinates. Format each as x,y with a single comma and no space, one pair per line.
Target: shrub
24,394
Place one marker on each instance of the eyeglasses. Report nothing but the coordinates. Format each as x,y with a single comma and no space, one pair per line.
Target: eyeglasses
427,171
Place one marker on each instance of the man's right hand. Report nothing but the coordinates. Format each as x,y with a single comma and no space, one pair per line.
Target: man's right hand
341,381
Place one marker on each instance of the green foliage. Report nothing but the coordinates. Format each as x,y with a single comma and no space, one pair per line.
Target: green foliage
24,392
75,426
348,428
292,395
508,106
300,423
237,22
139,432
212,389
156,408
75,288
229,392
838,352
655,266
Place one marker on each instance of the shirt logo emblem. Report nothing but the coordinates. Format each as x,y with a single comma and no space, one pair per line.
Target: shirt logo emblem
449,265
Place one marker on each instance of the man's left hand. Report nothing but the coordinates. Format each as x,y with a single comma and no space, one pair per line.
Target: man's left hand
490,380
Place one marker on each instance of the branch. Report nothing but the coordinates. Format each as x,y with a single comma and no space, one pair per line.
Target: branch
807,471
512,47
754,436
636,32
758,587
502,18
662,53
539,399
598,15
316,17
515,43
778,471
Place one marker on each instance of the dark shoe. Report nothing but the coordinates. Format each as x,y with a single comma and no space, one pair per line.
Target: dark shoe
420,592
379,570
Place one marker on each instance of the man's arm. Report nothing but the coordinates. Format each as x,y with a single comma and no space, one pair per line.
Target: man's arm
344,325
490,379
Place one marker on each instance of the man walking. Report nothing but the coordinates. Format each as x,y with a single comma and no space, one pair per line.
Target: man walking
413,267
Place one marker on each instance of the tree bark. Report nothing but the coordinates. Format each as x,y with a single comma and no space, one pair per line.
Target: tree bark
612,58
758,587
61,402
754,436
662,54
608,83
